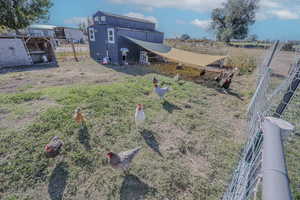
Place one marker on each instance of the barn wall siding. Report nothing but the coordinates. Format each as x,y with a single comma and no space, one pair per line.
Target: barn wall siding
13,53
122,27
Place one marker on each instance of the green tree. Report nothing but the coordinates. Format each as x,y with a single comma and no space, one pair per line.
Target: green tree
232,21
18,14
185,37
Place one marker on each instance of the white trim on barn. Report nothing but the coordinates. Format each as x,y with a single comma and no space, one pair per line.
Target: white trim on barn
92,34
111,35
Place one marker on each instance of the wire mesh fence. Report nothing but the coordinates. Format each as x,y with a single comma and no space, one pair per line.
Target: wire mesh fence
273,97
65,52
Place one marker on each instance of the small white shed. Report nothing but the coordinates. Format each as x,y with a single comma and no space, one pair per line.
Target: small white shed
13,52
25,50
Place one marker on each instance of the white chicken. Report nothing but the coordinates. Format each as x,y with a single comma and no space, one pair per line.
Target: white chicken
177,77
122,160
139,115
161,92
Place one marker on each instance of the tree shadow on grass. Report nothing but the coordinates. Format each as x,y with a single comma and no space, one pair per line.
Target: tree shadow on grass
151,141
170,107
58,181
134,189
84,137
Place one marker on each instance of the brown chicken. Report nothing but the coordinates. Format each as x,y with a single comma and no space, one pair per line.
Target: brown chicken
154,81
122,160
79,117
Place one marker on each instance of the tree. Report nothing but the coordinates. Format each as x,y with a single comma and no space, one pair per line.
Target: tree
18,14
3,29
232,21
252,38
83,27
185,37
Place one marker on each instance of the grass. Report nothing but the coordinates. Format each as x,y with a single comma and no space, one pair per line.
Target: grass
188,150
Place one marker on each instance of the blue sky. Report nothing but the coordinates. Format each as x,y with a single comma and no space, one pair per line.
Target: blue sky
276,19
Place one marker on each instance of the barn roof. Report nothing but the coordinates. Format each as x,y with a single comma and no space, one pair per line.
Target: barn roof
128,18
177,55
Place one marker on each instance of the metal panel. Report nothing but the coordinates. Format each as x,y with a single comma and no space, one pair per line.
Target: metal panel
13,53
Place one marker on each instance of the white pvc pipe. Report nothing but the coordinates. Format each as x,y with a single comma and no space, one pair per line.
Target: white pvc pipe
275,178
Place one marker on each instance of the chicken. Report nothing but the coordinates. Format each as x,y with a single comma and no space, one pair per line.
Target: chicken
139,115
177,77
122,160
54,146
79,117
161,92
155,81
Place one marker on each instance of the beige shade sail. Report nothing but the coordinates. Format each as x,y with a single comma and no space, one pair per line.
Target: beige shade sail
177,55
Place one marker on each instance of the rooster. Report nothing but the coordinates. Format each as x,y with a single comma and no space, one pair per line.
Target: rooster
122,160
139,115
79,117
161,92
154,81
54,146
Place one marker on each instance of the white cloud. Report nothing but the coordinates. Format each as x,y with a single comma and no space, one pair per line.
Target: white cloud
285,10
76,20
179,21
268,9
203,24
269,4
197,5
141,16
285,14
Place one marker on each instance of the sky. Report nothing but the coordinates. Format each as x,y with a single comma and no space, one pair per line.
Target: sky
276,19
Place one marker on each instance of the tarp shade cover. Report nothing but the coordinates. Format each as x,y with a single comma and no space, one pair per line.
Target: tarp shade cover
177,55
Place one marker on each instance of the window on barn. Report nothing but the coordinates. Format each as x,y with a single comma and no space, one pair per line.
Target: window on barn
103,18
111,35
92,34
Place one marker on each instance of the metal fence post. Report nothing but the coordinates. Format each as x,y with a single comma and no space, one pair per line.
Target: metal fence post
275,176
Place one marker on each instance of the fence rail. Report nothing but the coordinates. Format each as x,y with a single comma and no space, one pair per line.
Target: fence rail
267,101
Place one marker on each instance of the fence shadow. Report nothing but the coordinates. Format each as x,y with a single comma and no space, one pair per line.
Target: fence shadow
134,189
58,181
151,141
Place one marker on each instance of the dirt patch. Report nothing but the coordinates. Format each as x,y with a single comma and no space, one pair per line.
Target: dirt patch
68,73
24,113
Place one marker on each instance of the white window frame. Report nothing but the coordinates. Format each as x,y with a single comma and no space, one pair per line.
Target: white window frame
111,41
103,18
92,33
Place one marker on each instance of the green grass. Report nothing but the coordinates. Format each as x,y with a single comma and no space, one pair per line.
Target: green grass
185,129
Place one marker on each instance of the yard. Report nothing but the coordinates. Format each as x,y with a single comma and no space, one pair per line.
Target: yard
190,143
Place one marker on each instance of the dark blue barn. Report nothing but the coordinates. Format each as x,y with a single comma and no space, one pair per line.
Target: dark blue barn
108,35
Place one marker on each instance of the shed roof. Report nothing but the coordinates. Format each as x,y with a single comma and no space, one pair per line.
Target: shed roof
128,18
42,26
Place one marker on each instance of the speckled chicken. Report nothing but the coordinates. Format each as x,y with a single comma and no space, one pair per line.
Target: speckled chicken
161,92
122,160
54,146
